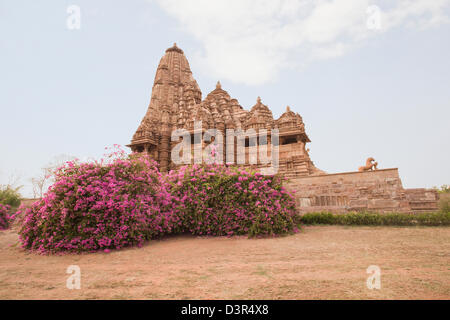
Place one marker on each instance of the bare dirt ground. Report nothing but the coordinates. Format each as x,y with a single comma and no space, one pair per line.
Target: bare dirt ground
318,263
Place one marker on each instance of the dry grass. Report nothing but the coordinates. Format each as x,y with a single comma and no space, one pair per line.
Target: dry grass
326,262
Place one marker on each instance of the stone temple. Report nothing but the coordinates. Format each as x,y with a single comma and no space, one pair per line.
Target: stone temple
176,103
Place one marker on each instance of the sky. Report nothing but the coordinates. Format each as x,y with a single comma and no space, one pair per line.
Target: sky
369,78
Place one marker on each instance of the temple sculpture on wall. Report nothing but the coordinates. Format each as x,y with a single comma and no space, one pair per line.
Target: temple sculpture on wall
176,103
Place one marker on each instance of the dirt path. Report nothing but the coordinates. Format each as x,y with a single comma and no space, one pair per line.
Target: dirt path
318,263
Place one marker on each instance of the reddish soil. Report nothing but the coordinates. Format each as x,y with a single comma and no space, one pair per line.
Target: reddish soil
318,263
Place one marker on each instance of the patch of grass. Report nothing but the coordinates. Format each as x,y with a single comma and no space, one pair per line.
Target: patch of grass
121,296
111,285
376,219
261,271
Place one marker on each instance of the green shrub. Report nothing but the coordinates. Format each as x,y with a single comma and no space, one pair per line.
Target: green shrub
355,218
10,196
433,219
397,219
376,219
318,218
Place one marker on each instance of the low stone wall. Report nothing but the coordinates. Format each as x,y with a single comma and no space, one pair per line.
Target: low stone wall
375,191
423,200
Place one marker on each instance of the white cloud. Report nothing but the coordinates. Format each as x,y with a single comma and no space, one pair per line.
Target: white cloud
249,41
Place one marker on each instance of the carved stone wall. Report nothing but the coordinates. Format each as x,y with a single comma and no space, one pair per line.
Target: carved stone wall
422,200
375,191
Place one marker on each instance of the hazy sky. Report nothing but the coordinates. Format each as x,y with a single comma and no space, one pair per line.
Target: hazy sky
368,81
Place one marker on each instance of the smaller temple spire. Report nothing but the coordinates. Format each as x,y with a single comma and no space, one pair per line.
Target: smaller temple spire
288,109
218,85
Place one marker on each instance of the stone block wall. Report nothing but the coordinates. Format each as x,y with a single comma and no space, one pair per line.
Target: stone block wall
375,191
422,200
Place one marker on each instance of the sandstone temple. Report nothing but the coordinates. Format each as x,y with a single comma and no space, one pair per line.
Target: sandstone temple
176,103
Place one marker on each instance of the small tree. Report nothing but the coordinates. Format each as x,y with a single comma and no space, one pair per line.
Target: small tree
10,192
10,196
40,185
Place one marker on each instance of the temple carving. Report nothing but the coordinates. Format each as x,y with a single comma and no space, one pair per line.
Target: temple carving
176,103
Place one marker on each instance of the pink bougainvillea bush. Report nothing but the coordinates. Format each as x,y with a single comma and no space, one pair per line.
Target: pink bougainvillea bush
220,200
4,216
99,206
125,201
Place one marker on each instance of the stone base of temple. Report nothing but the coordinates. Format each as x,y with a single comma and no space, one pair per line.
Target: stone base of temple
423,200
374,191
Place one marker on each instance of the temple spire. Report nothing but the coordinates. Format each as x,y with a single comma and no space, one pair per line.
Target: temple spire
176,103
258,100
175,48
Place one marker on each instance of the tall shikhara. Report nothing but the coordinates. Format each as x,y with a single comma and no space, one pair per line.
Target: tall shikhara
176,102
